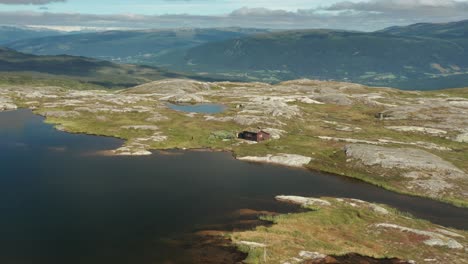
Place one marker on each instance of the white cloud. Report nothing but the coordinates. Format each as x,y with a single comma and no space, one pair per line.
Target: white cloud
28,2
404,6
259,11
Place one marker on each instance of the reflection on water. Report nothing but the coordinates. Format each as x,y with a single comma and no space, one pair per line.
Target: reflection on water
61,205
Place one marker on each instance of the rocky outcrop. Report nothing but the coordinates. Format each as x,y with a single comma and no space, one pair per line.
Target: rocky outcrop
423,172
431,238
309,255
462,138
131,151
448,114
398,158
184,98
156,117
290,160
274,132
270,106
171,86
303,201
310,201
141,127
363,204
61,114
427,145
251,244
424,130
342,127
339,99
140,146
7,104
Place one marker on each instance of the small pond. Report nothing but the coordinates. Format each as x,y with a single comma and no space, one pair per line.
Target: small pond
198,108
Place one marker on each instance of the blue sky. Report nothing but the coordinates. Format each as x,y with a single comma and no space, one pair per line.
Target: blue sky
149,7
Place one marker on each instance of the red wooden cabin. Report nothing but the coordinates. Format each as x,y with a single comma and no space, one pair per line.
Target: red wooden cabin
254,136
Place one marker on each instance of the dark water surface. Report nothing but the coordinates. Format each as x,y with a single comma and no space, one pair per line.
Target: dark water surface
62,204
198,108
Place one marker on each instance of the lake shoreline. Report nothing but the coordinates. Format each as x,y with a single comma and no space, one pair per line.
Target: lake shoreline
292,211
234,155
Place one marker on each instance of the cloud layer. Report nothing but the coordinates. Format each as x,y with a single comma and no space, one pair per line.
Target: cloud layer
28,2
364,15
401,7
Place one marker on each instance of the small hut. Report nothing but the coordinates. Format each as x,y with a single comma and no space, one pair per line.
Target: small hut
254,136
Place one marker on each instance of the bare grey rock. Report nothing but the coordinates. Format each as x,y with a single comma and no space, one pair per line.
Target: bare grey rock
184,98
433,186
303,201
61,114
402,158
6,104
363,204
252,120
424,130
462,138
308,255
426,172
291,160
141,127
440,113
129,151
339,99
252,244
274,132
156,137
156,117
276,106
427,145
171,86
342,127
434,238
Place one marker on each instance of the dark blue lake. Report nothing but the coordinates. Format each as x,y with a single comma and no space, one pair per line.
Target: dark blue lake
198,108
61,203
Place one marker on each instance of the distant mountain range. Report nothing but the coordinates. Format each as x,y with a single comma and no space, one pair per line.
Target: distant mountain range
10,34
420,56
19,68
453,30
127,46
